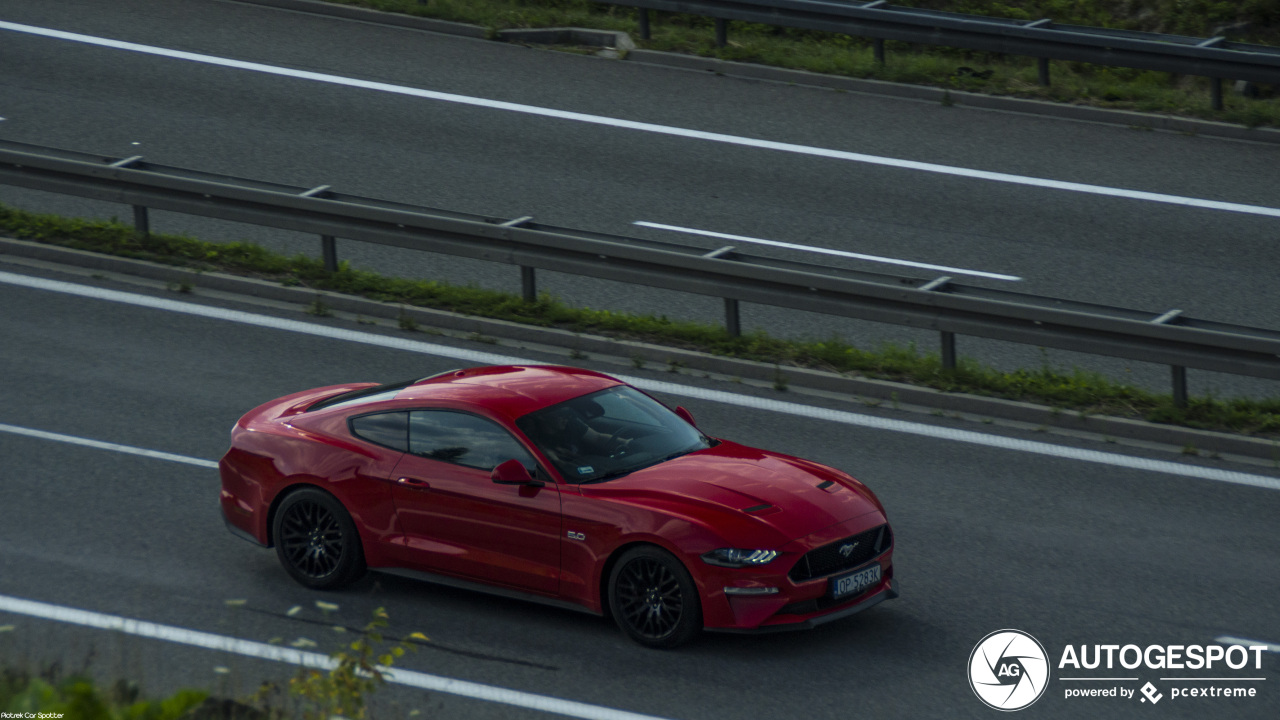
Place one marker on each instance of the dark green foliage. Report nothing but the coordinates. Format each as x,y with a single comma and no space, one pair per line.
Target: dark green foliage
77,697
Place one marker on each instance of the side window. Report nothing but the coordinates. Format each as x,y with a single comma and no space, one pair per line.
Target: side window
389,429
463,439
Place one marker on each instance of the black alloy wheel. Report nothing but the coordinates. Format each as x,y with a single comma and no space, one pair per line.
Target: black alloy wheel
653,598
317,541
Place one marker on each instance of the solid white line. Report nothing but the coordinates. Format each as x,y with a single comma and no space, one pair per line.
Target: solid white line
779,406
1067,678
156,454
1213,679
1232,640
264,651
645,127
825,251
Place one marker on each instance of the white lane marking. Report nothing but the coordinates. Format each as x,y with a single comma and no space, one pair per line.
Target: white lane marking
779,406
264,651
1233,640
646,127
129,449
825,251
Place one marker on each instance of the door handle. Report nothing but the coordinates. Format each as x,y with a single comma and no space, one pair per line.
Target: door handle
414,483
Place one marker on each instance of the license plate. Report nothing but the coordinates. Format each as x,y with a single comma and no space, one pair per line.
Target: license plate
854,583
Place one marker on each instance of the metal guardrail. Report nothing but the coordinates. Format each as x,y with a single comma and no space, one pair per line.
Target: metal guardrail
1215,58
938,304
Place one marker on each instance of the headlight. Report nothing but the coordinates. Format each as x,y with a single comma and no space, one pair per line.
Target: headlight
735,558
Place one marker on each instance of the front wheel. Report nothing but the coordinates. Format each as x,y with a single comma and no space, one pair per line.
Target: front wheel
653,598
317,541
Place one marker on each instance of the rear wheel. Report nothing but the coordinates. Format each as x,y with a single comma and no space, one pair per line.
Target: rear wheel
317,541
653,598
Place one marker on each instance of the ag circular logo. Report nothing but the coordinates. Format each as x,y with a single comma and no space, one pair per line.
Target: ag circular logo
1008,670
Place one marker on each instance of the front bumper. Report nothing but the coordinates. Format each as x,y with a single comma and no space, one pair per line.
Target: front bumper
795,591
888,591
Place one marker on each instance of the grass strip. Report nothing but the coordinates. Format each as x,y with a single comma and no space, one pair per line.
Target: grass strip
1118,88
1081,391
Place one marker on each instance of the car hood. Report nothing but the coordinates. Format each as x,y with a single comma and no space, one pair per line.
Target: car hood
794,497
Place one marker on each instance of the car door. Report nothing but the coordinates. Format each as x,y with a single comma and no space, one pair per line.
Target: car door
459,522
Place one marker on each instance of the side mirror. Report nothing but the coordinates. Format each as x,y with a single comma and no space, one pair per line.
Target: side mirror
686,416
513,472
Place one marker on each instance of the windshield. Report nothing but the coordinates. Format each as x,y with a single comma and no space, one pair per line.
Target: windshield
609,433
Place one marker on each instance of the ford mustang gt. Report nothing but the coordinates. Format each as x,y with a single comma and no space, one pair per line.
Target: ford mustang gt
560,485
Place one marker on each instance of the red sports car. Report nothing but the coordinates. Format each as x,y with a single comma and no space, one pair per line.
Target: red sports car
559,485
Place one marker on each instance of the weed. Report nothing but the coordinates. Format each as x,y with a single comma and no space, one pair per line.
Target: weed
318,308
673,365
893,397
179,286
406,321
359,669
577,354
946,99
480,337
637,361
1190,449
779,379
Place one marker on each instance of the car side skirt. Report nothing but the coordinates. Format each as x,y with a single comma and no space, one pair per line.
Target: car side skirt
483,588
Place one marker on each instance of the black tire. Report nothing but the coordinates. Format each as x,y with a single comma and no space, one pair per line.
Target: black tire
653,599
317,541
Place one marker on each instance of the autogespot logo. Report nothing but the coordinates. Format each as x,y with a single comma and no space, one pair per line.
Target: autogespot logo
1008,670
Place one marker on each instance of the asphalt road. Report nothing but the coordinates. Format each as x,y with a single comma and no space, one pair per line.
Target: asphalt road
1072,552
1209,263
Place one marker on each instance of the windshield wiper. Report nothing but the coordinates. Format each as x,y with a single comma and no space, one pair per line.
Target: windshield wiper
620,473
609,476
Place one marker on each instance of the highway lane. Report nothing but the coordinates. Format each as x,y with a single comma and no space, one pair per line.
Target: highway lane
1069,551
1211,264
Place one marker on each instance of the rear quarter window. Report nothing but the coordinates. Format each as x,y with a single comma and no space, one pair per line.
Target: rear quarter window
386,429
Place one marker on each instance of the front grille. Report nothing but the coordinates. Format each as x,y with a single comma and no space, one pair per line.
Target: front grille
829,559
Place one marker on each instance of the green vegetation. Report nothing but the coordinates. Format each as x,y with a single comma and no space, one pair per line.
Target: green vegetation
1120,88
50,694
342,692
1082,391
358,672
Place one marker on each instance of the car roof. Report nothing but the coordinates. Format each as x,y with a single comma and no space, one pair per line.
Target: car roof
507,390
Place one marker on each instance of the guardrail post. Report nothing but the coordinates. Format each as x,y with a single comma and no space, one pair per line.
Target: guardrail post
141,222
529,284
1215,93
1179,385
948,350
732,321
329,251
644,23
1043,66
939,284
722,32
